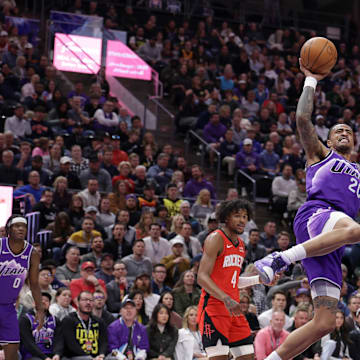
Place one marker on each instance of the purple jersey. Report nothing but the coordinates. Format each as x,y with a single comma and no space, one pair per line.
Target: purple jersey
13,271
336,182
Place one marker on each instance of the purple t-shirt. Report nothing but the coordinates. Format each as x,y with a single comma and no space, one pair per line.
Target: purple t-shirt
13,271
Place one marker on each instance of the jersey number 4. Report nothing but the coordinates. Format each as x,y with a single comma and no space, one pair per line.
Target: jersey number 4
234,279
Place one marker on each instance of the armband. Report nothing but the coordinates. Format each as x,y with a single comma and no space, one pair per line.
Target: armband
310,81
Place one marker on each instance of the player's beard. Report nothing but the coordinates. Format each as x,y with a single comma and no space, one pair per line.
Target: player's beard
343,149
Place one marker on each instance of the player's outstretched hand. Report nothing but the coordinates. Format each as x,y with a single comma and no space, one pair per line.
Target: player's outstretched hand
274,281
232,306
307,72
40,318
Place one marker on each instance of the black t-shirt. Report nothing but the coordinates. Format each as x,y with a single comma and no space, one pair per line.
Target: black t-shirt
10,175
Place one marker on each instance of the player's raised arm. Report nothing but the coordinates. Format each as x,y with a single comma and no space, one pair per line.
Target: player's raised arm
314,149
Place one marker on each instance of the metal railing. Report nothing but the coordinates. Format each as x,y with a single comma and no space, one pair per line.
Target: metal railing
248,177
205,146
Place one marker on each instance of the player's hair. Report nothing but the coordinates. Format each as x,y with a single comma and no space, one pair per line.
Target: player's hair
227,208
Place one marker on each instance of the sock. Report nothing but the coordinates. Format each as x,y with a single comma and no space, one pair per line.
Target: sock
273,356
294,254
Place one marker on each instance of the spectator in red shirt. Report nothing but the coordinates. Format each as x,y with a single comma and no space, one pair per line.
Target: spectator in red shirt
118,154
87,282
125,169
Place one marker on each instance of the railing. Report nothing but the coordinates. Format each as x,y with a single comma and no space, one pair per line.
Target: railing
205,147
248,177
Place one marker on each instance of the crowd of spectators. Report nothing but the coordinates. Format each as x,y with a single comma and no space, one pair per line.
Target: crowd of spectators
129,216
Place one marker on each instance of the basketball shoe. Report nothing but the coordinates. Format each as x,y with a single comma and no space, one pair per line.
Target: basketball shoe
268,266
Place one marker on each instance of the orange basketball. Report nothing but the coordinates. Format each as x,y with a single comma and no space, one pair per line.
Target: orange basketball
318,55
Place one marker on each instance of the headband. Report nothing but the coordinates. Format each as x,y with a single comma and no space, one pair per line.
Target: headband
17,220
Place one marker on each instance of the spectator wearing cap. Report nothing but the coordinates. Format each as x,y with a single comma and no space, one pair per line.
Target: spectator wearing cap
32,191
118,288
248,161
107,164
71,269
172,202
133,208
148,200
17,124
95,172
185,209
65,171
117,245
9,57
91,195
99,309
126,336
82,238
105,119
86,282
96,254
175,263
136,263
143,283
322,130
92,212
197,183
302,297
156,247
213,133
37,165
105,272
118,154
10,174
161,171
124,174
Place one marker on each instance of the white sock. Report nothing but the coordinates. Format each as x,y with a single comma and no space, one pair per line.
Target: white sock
294,254
273,356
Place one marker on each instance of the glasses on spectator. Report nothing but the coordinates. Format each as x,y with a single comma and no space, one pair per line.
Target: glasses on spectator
87,300
46,275
100,297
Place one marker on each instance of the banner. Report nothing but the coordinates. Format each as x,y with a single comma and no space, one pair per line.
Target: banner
121,61
79,54
6,203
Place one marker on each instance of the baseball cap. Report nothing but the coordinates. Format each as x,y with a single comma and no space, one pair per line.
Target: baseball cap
176,241
248,141
302,291
106,255
87,265
130,196
91,208
127,301
65,160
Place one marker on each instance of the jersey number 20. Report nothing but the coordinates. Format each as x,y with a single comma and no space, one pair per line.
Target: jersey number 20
354,187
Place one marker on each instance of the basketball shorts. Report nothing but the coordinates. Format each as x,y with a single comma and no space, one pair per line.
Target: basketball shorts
310,222
9,325
232,331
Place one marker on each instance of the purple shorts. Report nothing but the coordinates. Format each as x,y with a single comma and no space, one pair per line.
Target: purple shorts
312,219
9,325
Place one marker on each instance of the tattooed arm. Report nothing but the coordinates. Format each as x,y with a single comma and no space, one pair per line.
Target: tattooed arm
314,149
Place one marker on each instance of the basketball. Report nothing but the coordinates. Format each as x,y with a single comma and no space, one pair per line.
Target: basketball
318,55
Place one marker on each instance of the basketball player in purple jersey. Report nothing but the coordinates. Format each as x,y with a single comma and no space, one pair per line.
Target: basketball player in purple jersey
17,261
323,225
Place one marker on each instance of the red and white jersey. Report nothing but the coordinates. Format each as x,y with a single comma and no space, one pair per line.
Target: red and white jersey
225,274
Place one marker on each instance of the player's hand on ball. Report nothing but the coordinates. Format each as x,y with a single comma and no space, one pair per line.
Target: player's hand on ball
307,72
232,306
275,280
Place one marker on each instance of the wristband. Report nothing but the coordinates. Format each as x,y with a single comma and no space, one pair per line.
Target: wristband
247,281
310,81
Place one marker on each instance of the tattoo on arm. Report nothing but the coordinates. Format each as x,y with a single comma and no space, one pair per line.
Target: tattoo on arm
306,129
328,303
230,303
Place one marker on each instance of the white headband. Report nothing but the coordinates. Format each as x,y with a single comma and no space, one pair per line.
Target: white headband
18,220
